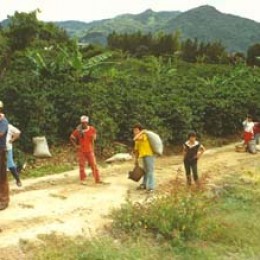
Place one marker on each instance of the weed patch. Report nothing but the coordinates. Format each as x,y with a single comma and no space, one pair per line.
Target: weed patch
175,216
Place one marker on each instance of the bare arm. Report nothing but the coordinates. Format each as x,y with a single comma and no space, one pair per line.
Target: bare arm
139,136
136,156
15,136
73,140
201,151
184,151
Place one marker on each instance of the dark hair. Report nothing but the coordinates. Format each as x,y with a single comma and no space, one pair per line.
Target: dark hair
250,117
192,134
138,126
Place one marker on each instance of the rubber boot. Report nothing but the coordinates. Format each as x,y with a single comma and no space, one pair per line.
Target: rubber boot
15,174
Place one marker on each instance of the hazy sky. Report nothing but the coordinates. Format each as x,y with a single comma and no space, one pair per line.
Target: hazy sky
89,10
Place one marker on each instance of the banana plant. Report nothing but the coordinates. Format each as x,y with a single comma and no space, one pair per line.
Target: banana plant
62,59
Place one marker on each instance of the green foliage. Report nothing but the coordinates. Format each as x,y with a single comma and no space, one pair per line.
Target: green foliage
22,29
140,45
194,51
253,55
175,216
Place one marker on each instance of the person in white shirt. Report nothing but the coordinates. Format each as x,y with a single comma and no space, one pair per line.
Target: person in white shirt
13,134
248,125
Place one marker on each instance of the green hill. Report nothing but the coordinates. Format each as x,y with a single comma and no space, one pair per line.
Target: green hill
204,23
208,24
97,31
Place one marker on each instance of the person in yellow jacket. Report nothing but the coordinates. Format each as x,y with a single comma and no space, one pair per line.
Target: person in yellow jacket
143,150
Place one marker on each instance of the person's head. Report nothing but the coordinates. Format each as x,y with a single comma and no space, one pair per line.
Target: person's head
192,136
137,128
84,120
249,118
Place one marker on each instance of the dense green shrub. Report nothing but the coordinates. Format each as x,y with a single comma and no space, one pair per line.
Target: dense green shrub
174,216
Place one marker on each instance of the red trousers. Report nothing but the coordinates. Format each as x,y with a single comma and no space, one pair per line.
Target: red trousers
248,137
90,158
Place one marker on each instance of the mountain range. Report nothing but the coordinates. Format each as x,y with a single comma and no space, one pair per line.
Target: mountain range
205,23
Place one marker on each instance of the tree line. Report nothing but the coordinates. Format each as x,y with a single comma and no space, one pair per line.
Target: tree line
139,45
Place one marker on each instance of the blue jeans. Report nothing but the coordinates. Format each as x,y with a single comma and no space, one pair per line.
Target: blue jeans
10,160
148,180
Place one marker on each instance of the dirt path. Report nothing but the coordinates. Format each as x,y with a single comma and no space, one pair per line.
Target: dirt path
58,203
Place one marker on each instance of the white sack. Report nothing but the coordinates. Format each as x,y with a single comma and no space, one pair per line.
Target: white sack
120,157
41,148
155,142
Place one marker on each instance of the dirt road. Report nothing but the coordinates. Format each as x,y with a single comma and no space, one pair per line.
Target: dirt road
58,203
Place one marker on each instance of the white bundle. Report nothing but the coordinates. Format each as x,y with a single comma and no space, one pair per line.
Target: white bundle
120,157
41,148
155,142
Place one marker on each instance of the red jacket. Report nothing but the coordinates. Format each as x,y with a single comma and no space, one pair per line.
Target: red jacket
85,138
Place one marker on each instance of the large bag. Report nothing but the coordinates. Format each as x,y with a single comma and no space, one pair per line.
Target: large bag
252,146
136,174
41,148
155,142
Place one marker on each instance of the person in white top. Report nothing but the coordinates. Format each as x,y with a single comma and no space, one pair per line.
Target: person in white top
13,134
248,125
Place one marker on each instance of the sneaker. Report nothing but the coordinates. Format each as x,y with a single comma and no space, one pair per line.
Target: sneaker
150,190
83,183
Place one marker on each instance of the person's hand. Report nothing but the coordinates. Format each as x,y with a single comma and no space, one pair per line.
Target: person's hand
198,156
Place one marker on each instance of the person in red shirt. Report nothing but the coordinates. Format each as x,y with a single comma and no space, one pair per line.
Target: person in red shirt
83,139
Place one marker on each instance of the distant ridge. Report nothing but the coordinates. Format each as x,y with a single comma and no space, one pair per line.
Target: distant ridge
205,23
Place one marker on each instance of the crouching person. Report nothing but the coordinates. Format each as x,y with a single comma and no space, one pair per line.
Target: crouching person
143,150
